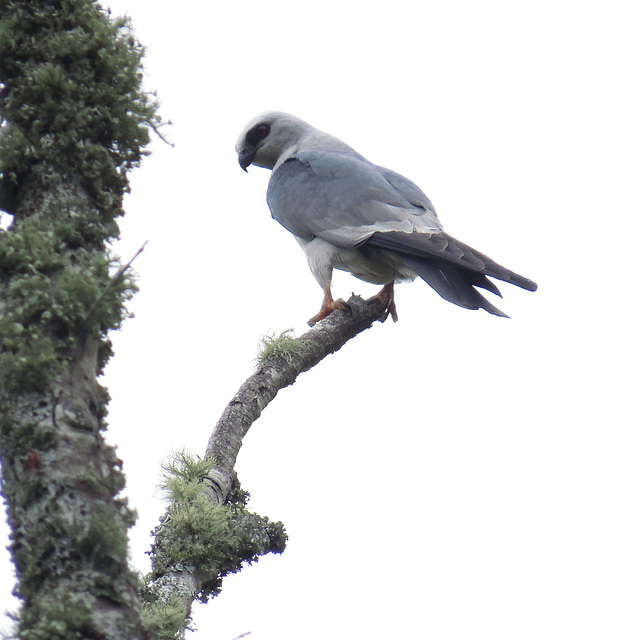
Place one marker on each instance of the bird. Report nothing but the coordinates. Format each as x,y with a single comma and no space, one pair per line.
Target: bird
350,214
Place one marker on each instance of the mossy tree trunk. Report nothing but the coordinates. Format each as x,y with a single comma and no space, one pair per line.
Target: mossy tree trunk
74,121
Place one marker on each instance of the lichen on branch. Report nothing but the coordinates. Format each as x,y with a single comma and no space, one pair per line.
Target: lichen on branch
201,536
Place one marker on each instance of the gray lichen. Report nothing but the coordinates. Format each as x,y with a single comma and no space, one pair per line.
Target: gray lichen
284,346
200,536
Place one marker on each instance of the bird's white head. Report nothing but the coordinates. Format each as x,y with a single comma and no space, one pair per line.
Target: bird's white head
269,137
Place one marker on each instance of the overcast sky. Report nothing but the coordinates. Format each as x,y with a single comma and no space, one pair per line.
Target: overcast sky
454,475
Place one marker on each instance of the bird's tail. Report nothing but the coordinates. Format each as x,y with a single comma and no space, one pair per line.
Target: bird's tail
456,285
451,267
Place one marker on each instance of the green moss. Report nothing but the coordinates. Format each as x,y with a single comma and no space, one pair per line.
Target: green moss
75,122
196,534
105,536
165,620
31,250
72,99
29,364
59,616
182,475
284,346
52,296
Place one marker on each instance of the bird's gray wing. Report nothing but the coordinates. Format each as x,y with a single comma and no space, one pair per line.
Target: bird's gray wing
438,248
344,199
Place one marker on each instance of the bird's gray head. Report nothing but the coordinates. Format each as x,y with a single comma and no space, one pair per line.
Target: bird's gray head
270,136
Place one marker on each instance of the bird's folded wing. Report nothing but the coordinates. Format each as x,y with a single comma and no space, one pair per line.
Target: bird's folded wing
433,248
344,199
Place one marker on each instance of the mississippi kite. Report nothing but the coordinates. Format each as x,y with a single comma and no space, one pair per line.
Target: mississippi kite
347,213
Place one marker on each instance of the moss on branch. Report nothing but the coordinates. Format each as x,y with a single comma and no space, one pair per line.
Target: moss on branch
283,346
211,540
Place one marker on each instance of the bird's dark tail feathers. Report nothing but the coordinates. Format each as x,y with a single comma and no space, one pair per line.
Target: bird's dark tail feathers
450,267
455,284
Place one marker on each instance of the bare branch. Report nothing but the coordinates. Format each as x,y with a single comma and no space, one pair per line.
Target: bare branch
276,373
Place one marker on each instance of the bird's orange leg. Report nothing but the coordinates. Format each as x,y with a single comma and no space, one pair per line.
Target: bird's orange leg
328,305
385,296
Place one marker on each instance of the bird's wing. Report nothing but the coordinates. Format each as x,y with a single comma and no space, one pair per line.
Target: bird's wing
344,199
441,248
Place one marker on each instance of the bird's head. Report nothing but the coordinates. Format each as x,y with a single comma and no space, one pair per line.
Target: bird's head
270,136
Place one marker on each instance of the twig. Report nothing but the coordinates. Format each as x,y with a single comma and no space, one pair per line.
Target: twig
156,129
112,283
121,271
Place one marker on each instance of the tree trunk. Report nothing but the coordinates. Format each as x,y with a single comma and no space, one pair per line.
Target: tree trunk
74,122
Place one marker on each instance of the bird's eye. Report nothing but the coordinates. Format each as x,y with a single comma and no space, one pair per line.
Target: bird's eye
259,132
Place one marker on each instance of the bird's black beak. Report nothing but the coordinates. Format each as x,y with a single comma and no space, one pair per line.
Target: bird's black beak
245,158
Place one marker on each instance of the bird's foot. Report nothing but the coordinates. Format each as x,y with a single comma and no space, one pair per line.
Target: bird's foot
328,306
386,297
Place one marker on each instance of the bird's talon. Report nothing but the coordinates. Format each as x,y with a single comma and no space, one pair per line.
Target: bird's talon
385,298
343,306
328,306
392,311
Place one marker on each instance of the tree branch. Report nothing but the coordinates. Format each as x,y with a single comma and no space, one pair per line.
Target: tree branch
277,373
184,582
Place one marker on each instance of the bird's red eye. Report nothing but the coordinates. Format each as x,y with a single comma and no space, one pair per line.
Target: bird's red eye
257,133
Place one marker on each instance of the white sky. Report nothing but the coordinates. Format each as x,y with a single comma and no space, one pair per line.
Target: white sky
454,475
